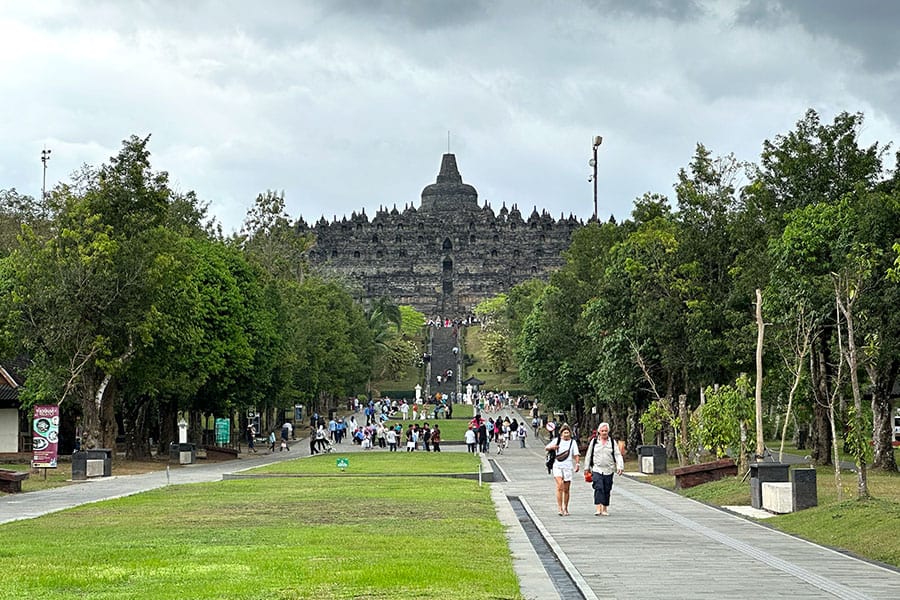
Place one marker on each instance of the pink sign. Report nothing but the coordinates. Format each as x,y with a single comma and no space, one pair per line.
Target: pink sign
45,440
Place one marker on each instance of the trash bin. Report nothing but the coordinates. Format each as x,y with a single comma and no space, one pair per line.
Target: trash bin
183,454
653,459
763,472
805,494
96,462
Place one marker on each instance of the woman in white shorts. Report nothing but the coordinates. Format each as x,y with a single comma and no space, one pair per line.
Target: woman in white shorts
565,466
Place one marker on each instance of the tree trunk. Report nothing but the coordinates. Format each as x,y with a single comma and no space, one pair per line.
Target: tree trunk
635,430
108,424
883,429
90,418
760,337
862,483
683,421
820,442
168,425
137,438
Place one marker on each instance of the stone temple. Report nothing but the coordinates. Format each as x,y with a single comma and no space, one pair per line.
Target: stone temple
444,257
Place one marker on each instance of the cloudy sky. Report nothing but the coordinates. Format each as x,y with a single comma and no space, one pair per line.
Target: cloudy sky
347,104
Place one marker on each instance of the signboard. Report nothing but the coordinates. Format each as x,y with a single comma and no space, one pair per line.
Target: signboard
45,439
223,432
342,463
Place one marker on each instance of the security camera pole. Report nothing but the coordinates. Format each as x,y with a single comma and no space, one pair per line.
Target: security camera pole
597,141
45,156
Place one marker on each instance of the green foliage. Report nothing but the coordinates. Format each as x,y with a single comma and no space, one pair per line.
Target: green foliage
857,437
658,417
496,337
411,321
720,417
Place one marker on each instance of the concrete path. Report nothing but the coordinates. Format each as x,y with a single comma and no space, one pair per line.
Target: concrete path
14,507
657,544
654,543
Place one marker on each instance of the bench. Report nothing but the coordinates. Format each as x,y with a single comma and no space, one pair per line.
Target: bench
691,475
11,481
220,453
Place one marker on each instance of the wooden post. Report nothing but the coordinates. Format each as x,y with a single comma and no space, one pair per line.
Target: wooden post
760,335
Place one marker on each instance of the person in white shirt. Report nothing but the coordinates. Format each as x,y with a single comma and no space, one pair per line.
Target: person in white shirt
470,439
391,439
566,464
603,458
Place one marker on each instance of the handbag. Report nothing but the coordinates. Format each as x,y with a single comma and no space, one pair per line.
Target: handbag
589,469
561,456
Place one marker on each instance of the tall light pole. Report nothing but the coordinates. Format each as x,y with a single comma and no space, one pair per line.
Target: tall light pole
45,156
598,139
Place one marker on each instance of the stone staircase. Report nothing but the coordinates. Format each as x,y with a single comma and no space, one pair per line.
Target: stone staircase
442,342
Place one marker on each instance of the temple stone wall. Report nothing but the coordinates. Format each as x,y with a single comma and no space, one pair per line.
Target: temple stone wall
444,257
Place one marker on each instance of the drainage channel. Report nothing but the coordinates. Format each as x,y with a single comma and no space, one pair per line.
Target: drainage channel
499,476
560,578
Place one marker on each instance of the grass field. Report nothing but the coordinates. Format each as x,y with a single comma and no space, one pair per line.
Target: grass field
507,380
375,463
280,538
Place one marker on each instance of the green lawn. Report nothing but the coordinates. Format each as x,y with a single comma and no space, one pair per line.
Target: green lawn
374,463
281,538
507,380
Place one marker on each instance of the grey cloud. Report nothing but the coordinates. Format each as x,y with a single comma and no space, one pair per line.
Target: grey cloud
868,26
420,14
683,10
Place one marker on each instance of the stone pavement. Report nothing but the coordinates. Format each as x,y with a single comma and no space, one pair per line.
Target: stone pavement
657,544
654,543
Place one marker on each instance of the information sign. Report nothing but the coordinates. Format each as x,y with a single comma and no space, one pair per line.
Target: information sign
45,438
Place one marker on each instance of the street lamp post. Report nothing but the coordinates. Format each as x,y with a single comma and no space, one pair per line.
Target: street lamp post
45,156
597,141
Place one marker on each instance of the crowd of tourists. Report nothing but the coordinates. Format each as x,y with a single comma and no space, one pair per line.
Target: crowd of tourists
482,433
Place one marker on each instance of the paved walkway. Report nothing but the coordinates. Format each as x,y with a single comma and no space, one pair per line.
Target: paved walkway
654,544
657,544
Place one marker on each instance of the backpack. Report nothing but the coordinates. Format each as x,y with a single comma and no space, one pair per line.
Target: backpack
615,445
551,457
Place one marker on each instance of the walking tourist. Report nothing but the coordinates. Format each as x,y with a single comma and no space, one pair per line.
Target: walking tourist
603,458
565,465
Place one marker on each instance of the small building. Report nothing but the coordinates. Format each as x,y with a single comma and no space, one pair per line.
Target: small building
12,438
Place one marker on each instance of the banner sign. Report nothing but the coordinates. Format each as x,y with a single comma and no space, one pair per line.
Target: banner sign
45,439
223,432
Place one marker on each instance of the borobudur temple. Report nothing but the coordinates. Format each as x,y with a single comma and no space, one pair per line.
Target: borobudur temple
444,257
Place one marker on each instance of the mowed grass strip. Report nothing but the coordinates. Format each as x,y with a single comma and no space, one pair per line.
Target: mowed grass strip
268,539
376,462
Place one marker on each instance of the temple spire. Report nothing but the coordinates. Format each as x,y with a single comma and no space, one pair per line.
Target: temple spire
448,192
